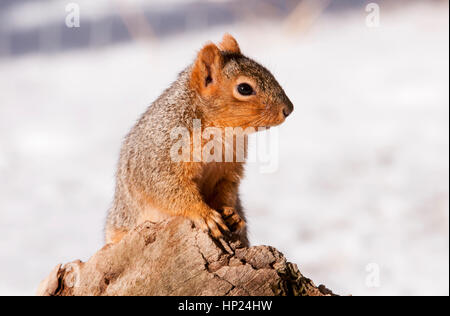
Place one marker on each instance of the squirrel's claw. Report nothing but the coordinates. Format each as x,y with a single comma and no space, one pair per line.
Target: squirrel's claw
213,223
232,219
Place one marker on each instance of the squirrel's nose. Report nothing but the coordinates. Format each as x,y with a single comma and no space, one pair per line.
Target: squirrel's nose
287,109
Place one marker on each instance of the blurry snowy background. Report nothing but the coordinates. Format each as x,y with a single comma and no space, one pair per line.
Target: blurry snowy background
360,200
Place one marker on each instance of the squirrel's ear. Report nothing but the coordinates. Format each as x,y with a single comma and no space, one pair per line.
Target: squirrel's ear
229,44
206,72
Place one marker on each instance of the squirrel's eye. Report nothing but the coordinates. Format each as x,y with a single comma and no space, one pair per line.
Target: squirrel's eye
245,89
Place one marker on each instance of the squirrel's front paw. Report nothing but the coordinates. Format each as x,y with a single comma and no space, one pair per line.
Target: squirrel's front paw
234,222
210,222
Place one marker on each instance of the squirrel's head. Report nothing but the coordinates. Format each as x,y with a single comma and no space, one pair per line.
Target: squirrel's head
235,90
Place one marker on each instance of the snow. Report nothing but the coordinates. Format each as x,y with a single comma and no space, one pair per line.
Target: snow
362,180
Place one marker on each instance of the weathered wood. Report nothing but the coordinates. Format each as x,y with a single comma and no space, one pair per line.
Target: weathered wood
174,258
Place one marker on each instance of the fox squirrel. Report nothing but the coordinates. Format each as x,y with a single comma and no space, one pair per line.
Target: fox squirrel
222,88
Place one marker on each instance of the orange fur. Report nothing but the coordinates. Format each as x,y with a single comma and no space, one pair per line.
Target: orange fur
229,44
206,74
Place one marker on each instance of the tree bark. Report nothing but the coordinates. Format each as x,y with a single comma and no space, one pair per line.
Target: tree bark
174,258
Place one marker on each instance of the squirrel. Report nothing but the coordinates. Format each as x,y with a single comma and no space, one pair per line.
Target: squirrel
221,88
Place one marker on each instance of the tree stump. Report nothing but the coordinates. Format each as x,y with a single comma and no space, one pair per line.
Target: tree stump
175,258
